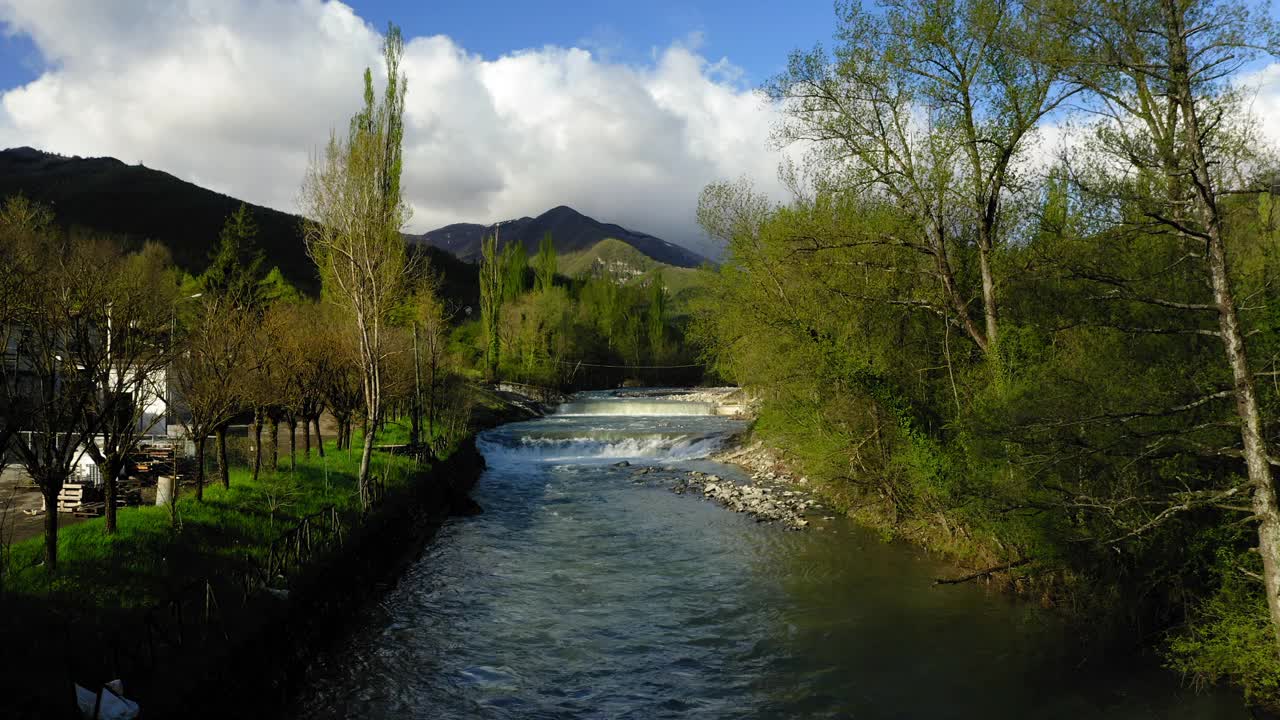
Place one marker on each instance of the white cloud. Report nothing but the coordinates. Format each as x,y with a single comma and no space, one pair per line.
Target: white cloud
236,94
1265,82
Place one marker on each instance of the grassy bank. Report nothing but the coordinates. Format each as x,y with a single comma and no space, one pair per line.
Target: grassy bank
232,528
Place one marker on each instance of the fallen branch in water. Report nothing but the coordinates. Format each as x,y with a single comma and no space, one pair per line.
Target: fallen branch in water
982,573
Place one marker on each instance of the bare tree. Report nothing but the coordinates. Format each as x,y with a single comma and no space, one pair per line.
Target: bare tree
432,319
137,349
58,307
355,213
207,372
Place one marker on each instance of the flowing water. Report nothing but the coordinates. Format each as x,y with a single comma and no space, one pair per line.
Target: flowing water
586,590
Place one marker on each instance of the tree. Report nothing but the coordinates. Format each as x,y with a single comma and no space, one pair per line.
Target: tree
207,373
23,215
657,317
344,386
545,263
929,105
433,337
492,289
1159,73
354,210
138,349
235,266
515,264
58,306
263,383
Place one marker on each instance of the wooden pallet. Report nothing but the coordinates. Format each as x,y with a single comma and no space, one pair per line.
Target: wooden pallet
72,496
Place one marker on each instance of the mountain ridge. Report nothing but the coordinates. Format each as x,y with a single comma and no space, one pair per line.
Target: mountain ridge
571,231
105,194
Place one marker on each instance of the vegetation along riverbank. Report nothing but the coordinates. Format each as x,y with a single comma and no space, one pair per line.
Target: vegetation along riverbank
1040,372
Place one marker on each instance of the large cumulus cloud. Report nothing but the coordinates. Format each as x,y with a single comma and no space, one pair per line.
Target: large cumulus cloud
235,95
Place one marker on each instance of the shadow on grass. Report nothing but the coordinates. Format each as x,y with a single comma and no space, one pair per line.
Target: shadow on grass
149,557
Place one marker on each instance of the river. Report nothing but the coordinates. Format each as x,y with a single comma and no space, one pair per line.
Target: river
586,590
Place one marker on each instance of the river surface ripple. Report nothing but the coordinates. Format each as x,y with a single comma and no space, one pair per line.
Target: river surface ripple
587,591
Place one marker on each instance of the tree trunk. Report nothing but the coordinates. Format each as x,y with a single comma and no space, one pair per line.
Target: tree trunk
990,308
319,436
200,468
257,443
293,443
365,454
51,491
223,468
415,419
275,443
306,437
938,247
431,400
110,474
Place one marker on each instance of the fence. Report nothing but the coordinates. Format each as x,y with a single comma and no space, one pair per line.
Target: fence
198,614
295,547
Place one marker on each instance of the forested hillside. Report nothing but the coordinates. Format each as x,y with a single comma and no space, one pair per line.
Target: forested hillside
1060,370
105,195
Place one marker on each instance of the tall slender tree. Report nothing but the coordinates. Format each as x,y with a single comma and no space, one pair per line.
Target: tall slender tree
545,263
355,213
492,288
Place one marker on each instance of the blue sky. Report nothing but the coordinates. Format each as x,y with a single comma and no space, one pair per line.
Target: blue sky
754,35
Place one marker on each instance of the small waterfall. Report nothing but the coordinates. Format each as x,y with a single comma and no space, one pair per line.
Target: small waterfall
502,450
593,430
651,408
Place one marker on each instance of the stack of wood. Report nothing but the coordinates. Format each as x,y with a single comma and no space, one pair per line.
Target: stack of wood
151,461
82,500
72,497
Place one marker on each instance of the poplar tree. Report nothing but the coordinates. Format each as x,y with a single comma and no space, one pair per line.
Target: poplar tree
515,262
355,214
545,263
492,288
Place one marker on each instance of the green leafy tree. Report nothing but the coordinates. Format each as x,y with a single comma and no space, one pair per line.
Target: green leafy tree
657,318
515,265
545,263
235,267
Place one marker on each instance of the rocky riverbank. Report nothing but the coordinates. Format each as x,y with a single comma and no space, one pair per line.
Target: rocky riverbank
770,494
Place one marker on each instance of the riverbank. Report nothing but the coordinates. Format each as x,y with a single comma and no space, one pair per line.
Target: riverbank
1103,635
976,560
232,593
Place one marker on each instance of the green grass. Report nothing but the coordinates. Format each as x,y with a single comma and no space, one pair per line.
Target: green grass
148,556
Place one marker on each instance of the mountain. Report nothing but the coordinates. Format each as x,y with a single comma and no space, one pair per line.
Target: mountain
135,202
571,231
